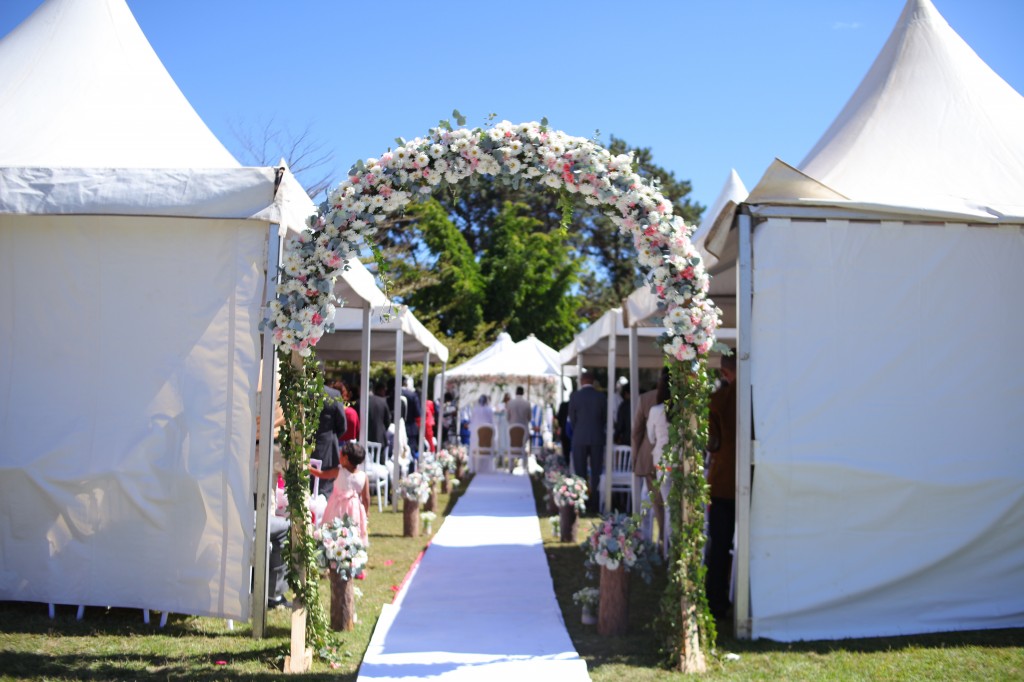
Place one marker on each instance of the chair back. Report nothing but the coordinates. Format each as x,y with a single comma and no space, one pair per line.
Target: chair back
485,436
517,435
622,458
373,453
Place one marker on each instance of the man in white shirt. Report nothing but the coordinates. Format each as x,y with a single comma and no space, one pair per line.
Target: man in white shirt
519,411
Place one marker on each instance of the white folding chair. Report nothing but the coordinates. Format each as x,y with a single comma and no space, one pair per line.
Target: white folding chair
377,472
622,474
484,449
518,442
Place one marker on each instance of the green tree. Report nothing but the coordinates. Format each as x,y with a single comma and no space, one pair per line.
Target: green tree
451,289
529,275
608,267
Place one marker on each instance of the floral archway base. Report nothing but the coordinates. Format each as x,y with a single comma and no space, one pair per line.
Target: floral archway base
510,154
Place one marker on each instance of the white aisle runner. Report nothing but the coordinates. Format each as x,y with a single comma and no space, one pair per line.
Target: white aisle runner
481,605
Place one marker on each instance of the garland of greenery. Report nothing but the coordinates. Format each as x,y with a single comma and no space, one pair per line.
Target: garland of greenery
687,411
302,398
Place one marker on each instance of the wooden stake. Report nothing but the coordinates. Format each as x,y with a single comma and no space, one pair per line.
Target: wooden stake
300,659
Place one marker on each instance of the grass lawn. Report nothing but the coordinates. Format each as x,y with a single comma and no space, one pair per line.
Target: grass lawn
114,644
976,655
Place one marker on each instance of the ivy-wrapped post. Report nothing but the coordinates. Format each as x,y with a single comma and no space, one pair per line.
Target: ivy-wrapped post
684,606
302,398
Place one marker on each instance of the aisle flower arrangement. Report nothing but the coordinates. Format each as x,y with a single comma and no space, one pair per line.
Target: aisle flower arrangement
571,491
427,519
340,548
433,471
415,487
448,461
617,541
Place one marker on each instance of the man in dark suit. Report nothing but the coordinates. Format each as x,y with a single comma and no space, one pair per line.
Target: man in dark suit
378,415
588,414
332,427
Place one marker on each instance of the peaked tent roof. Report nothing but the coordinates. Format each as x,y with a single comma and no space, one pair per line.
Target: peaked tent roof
469,368
931,128
82,87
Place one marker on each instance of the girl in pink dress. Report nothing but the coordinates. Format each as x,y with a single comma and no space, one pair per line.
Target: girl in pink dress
351,494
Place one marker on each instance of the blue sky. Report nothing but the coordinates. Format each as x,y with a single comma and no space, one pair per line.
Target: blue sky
708,85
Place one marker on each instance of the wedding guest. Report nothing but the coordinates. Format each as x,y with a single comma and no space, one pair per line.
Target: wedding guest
328,435
449,415
351,491
643,462
519,411
588,415
722,480
482,414
378,415
351,416
657,433
429,425
621,432
564,428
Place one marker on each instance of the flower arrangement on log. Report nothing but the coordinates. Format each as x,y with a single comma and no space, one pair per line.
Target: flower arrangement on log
448,460
415,487
433,470
571,491
340,548
617,541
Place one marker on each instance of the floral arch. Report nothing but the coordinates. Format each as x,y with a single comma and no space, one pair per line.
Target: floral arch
513,154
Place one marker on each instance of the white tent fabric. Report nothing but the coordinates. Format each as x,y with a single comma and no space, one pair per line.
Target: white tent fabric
888,496
129,375
969,158
529,361
886,377
100,98
590,347
344,342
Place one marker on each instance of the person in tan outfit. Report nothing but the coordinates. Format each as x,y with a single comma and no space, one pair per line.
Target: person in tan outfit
643,462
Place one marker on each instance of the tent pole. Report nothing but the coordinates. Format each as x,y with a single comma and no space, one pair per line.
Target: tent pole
439,418
265,448
423,402
397,475
744,424
606,490
634,399
364,379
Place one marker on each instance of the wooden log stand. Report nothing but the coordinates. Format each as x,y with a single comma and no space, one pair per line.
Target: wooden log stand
411,519
613,607
343,603
567,520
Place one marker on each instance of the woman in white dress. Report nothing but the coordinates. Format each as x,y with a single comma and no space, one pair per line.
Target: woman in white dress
482,413
657,432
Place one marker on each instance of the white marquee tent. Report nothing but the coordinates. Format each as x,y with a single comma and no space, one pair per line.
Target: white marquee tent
133,254
879,360
529,362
